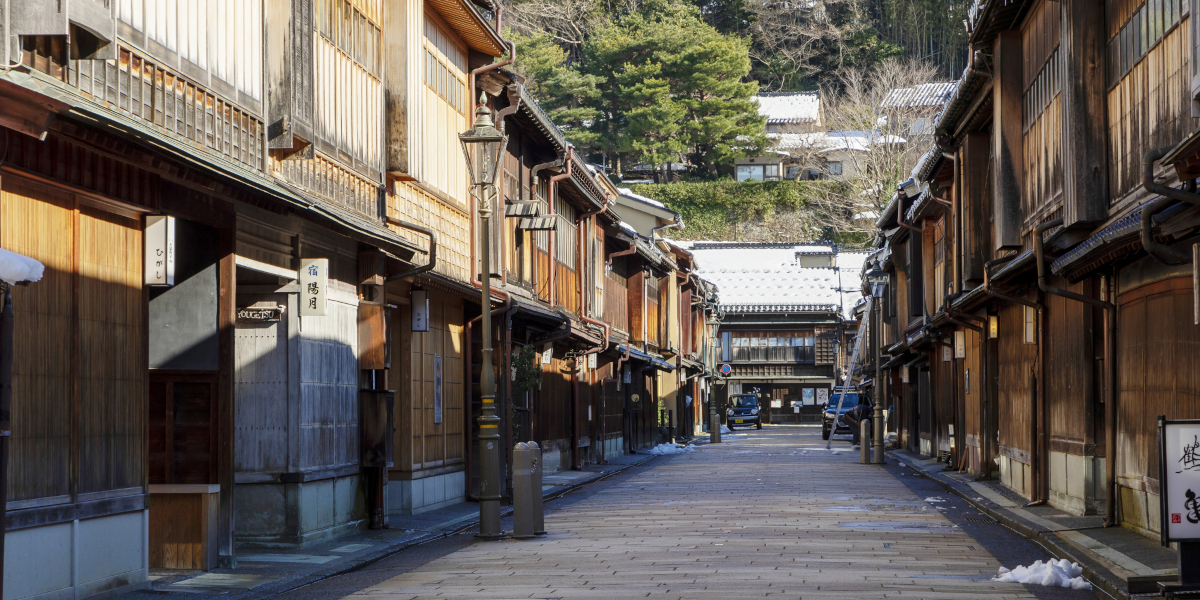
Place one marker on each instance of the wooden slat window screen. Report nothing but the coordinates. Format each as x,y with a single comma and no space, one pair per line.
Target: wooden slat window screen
1150,104
616,302
79,373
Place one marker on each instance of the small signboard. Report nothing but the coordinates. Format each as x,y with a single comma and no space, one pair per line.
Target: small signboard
960,344
547,355
314,286
591,362
1179,477
259,315
726,369
822,396
159,244
420,310
808,396
437,388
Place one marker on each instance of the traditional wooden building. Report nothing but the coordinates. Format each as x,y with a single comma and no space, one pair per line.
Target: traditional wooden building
783,311
1039,310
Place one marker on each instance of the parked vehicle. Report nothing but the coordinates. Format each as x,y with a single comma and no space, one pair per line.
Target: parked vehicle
827,417
743,410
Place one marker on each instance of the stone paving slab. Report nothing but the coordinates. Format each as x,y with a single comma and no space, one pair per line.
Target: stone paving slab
766,514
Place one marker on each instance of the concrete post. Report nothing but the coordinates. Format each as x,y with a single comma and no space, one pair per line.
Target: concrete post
523,522
535,486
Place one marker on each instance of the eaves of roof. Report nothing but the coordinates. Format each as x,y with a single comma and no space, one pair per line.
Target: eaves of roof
997,16
1114,241
972,81
464,18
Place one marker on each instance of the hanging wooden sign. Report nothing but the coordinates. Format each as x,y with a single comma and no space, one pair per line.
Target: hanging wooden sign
259,315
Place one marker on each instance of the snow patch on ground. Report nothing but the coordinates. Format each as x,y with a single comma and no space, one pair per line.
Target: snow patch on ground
726,430
935,499
1052,573
665,449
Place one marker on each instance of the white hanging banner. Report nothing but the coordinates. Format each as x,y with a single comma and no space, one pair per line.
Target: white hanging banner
547,354
314,286
159,243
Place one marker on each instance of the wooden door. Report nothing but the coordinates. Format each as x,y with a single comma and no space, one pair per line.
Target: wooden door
183,429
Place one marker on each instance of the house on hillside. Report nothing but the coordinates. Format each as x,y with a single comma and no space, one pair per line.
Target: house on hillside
786,113
914,108
785,308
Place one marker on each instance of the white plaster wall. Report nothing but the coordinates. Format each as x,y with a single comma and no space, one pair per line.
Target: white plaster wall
77,559
411,497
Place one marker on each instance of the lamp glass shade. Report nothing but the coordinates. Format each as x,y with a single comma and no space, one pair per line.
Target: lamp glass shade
876,275
483,145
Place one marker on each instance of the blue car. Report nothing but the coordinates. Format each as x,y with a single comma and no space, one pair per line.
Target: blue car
743,411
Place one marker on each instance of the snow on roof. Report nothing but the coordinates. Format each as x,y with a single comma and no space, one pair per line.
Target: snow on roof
640,198
828,141
919,96
627,228
789,107
757,277
17,268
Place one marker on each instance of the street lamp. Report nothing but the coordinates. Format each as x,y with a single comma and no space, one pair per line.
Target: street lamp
878,278
483,146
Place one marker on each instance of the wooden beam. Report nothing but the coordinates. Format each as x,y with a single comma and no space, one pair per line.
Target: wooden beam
1008,174
1084,114
226,317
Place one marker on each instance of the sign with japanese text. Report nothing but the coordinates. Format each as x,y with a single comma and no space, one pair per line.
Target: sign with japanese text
159,246
1179,468
592,360
822,396
548,354
420,310
960,344
437,388
314,286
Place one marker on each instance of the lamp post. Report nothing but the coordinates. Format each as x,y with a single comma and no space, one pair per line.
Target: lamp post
878,278
483,146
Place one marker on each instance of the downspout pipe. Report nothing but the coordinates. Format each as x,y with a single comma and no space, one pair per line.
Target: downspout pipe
900,216
512,56
551,188
987,284
1160,252
631,250
654,232
433,244
1110,314
579,261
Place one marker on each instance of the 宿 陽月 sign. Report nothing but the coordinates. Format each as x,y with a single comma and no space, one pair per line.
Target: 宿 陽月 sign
314,286
1179,474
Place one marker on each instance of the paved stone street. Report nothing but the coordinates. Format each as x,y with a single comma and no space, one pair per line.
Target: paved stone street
769,513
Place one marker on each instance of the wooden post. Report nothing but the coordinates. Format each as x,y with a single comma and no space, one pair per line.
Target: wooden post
226,316
1007,153
1084,113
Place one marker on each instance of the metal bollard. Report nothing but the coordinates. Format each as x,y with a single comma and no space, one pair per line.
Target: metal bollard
522,491
864,441
535,487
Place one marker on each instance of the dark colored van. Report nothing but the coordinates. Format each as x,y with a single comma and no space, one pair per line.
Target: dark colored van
743,411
